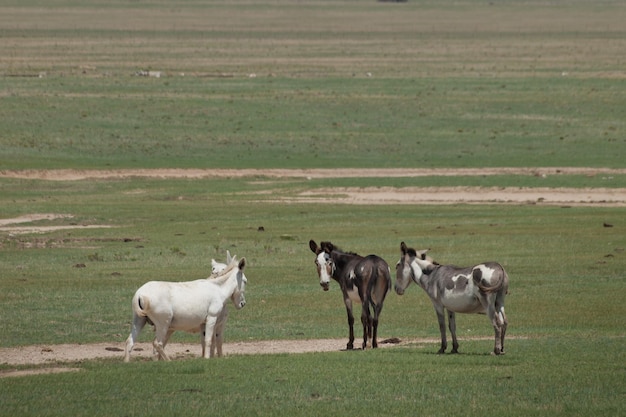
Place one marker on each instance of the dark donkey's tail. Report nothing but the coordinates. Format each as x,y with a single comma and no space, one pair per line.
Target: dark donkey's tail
379,272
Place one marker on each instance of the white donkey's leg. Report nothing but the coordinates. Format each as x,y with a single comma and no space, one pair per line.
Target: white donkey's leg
202,336
218,335
167,337
138,324
160,339
208,336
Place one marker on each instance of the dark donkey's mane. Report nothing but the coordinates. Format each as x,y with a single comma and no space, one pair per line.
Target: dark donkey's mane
328,247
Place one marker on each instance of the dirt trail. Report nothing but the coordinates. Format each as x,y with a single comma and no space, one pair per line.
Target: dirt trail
75,175
51,354
615,197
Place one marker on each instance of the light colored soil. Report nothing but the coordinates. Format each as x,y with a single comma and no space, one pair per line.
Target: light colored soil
74,175
614,197
379,195
9,225
50,354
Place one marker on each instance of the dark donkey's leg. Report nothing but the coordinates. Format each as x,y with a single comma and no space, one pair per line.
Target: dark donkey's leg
377,308
366,320
381,288
366,317
348,303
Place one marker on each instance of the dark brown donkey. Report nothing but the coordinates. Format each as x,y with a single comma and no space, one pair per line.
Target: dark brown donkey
364,280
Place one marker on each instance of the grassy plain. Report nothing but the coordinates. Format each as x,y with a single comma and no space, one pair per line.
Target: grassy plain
565,352
312,84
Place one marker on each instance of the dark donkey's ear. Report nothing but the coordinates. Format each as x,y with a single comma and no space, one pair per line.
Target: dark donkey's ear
314,247
403,248
327,247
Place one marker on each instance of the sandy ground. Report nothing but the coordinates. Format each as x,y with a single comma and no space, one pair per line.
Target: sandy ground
67,353
74,175
378,195
613,197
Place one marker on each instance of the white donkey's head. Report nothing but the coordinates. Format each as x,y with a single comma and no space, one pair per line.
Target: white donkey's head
324,262
239,297
217,267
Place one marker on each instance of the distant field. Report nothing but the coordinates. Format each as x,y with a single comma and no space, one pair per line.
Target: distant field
312,84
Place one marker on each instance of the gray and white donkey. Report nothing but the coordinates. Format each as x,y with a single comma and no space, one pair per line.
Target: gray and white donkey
477,289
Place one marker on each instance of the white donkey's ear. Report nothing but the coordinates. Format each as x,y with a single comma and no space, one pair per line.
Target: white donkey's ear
228,257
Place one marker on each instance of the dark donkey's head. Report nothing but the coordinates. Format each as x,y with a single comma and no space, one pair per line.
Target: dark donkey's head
323,261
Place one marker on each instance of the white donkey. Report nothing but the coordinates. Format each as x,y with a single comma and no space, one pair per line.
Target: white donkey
477,289
192,306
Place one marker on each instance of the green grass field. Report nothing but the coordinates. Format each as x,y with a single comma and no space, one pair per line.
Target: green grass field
312,84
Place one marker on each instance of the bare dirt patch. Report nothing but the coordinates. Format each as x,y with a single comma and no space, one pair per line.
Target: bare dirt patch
50,354
28,218
38,355
614,197
386,195
75,175
7,225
